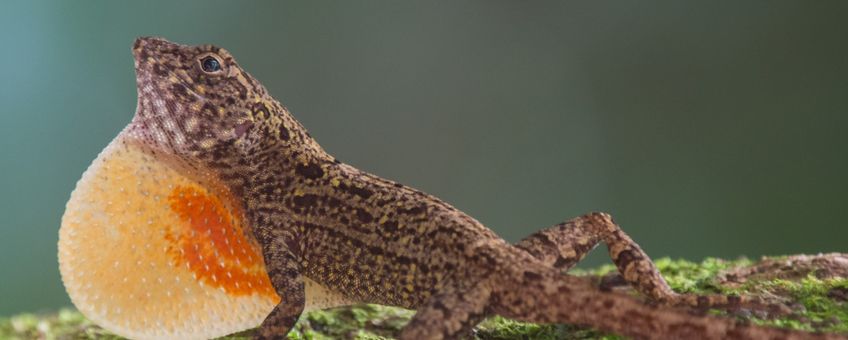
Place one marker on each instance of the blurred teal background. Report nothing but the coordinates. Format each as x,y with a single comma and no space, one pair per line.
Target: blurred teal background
711,129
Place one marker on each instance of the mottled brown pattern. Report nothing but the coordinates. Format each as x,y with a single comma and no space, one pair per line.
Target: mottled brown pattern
377,241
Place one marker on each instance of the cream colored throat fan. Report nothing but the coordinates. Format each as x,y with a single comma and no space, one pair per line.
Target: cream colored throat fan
149,253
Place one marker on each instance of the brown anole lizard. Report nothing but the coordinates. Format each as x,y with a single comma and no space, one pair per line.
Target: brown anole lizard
214,211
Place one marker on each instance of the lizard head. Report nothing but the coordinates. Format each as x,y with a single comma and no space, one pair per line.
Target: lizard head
197,103
154,241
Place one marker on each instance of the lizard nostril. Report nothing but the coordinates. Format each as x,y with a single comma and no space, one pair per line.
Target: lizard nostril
141,41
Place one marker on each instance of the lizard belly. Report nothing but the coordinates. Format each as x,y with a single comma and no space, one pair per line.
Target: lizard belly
147,252
320,297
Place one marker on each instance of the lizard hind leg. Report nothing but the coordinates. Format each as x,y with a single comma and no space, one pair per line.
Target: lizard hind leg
565,244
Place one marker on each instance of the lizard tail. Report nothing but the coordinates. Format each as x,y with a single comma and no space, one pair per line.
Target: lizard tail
541,294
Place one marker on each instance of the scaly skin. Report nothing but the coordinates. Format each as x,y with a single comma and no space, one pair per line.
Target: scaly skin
368,239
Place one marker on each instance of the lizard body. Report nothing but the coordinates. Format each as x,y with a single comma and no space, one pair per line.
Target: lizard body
223,185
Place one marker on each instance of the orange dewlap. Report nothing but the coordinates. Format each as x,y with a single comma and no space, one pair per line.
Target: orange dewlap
147,252
214,245
150,253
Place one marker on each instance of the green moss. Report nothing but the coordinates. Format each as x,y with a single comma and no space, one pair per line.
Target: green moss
65,324
689,277
824,303
820,304
360,322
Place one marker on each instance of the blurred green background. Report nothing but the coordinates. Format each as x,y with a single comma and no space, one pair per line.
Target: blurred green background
711,129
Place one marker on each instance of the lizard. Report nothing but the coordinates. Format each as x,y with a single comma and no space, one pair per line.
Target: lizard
215,211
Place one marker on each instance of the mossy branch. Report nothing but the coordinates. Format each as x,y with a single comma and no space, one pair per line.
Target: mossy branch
814,287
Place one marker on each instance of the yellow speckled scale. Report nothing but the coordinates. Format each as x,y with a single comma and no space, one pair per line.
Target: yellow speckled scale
147,252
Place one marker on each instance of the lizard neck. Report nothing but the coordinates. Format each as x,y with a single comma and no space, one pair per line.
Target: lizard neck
279,185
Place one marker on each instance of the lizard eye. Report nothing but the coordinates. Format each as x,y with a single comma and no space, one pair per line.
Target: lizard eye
210,64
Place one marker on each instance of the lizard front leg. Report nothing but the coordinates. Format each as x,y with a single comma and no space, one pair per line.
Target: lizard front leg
565,244
285,274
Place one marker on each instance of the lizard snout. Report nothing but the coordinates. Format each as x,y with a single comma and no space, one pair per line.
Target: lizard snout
142,43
